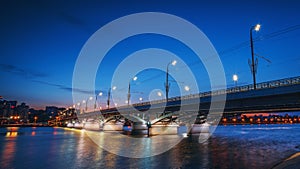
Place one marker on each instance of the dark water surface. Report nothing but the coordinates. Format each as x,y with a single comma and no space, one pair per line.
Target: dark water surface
249,146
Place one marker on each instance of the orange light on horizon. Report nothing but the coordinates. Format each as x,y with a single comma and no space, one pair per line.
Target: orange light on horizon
257,114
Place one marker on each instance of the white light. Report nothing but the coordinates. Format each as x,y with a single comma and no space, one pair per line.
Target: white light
159,94
91,98
83,101
126,101
74,105
257,27
100,94
187,88
135,78
235,77
140,99
116,104
114,88
174,62
78,103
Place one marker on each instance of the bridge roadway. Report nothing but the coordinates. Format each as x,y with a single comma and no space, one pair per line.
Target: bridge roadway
274,96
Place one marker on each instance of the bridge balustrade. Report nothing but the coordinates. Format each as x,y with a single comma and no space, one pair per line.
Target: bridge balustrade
264,85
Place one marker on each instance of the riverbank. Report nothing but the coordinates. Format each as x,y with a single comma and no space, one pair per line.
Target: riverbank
291,162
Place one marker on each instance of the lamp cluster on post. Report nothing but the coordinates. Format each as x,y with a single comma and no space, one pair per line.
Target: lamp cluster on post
128,94
235,79
108,98
95,105
253,65
167,85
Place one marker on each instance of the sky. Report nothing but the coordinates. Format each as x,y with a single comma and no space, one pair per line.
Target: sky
41,41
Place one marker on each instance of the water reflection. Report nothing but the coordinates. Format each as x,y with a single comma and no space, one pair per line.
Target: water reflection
136,147
9,149
11,134
229,147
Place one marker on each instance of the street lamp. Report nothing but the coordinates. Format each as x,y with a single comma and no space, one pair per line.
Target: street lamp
235,79
95,105
159,94
108,96
79,107
86,102
167,79
252,64
187,88
128,94
83,102
90,98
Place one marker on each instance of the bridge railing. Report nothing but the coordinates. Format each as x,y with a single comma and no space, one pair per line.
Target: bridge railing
259,86
266,85
263,85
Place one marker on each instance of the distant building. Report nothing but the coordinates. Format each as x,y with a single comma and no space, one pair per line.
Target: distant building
22,112
51,110
7,108
10,112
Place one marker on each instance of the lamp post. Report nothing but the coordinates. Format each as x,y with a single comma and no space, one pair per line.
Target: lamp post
79,107
235,79
187,89
95,105
159,94
167,79
128,94
86,103
108,96
83,102
253,65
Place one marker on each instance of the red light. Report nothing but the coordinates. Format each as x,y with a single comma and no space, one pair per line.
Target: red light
12,107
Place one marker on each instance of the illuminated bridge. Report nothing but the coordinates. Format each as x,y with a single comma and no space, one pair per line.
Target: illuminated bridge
273,96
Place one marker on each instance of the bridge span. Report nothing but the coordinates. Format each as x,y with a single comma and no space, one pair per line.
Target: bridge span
274,96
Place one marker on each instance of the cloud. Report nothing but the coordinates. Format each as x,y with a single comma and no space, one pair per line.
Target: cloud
74,21
71,19
21,72
66,88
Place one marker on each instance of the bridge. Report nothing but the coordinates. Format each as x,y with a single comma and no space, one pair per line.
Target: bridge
274,96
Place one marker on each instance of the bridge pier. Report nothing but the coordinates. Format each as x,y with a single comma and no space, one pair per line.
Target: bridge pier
139,128
78,125
111,126
70,125
198,128
168,129
92,126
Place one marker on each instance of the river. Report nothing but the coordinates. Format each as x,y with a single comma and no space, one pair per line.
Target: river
240,146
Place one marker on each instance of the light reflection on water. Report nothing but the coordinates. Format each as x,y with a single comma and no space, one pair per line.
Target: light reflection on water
256,146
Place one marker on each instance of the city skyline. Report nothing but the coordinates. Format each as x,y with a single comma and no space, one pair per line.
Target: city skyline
41,42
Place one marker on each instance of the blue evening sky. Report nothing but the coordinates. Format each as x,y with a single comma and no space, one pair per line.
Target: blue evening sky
41,40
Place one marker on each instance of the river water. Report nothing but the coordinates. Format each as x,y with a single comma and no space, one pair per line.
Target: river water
240,146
